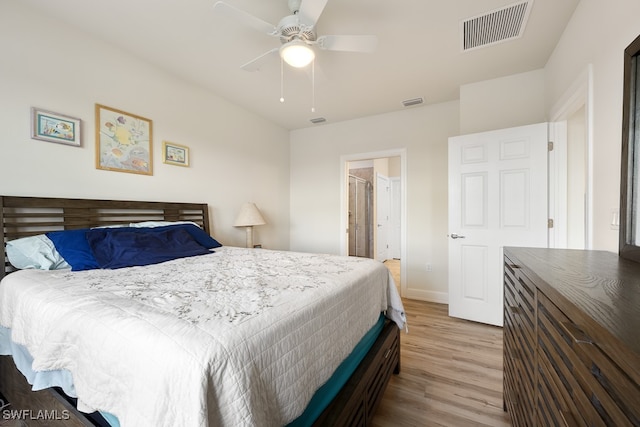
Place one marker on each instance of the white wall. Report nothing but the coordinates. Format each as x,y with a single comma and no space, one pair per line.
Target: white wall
235,155
506,102
424,132
394,166
315,186
500,103
576,180
597,34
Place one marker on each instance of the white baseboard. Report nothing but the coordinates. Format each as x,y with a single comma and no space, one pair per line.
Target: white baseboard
430,296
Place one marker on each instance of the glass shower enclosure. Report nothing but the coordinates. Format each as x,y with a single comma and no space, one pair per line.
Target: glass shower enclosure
360,217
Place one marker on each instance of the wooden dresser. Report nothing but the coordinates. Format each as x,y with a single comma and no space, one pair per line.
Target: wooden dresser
571,338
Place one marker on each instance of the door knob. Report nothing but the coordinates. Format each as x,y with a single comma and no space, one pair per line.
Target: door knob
456,236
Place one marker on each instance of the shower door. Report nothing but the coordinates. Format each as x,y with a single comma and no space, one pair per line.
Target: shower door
360,217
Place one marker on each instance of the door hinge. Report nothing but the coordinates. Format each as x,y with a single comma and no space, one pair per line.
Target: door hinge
550,145
550,223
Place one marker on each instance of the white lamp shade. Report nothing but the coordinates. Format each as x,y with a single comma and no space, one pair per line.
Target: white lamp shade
249,216
297,53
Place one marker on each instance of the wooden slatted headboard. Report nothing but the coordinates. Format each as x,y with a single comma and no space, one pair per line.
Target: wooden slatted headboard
28,216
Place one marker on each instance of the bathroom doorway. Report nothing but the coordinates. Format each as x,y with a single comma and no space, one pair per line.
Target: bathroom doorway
373,208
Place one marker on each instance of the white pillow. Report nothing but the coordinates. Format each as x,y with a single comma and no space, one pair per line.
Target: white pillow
151,224
35,252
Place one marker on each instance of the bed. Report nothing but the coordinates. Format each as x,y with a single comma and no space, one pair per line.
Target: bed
228,358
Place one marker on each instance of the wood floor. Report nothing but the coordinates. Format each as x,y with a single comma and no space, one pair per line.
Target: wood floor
451,372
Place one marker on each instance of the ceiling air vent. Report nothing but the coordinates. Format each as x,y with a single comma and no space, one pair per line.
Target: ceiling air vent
414,101
497,26
318,120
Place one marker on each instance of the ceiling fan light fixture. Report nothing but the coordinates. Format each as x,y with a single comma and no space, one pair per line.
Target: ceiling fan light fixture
297,53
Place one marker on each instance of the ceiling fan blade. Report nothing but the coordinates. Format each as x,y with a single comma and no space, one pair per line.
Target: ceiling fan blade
244,17
310,11
365,44
254,64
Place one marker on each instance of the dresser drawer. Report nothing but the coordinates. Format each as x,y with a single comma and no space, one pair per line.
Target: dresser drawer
603,394
519,349
554,405
523,297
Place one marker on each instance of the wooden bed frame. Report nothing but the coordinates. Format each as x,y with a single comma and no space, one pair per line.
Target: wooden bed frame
27,216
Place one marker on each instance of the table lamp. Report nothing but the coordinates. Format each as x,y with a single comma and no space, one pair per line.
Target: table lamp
248,217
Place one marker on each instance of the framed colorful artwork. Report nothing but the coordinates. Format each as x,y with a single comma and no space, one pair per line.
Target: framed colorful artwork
54,127
124,141
175,154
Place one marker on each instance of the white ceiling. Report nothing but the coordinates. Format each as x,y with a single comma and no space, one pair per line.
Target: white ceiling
418,54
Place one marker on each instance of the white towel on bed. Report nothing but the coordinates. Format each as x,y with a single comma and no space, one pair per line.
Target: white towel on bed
395,308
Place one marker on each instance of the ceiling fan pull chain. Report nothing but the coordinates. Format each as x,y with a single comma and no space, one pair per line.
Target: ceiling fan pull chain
281,80
313,86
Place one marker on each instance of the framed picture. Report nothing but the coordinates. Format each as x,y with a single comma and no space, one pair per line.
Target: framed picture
175,154
123,141
54,127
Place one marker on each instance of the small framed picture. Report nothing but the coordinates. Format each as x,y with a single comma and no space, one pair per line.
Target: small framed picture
53,127
175,154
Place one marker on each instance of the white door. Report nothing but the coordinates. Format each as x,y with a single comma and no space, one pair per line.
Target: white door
382,217
497,198
394,217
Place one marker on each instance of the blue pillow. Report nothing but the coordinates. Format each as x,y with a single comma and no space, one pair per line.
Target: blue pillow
73,246
196,232
118,248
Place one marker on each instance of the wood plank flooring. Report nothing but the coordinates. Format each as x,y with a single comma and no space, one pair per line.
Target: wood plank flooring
451,373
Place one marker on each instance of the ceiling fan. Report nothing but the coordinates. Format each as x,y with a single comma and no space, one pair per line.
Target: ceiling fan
297,34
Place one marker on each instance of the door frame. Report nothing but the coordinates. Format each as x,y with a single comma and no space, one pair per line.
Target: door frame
394,244
378,176
344,203
579,94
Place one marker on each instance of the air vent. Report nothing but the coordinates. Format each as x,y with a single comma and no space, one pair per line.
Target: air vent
497,26
414,101
318,120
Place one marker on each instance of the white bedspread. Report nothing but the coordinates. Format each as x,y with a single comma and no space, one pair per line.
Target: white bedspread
239,337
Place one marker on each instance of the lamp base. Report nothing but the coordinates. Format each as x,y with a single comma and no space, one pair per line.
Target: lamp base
249,230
